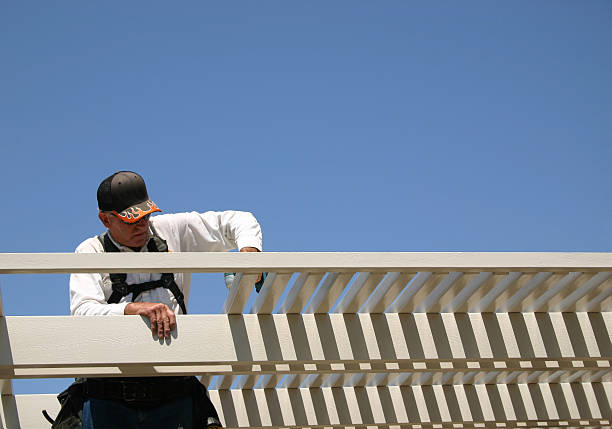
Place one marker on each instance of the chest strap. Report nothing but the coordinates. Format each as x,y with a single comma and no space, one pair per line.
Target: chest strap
118,280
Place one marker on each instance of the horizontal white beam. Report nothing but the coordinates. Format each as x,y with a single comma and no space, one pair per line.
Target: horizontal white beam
535,405
68,345
11,263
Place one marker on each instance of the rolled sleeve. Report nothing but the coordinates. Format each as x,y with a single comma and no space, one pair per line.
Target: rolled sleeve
87,297
210,231
87,289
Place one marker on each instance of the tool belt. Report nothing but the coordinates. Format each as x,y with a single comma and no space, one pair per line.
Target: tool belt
139,392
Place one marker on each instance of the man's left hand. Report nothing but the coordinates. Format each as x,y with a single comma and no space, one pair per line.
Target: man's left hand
252,249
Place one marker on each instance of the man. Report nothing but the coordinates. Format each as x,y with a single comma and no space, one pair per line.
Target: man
125,210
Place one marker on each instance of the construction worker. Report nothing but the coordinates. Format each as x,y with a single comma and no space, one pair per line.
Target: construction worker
125,210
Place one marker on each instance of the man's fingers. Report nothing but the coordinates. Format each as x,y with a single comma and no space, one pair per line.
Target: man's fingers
162,319
172,320
167,327
161,322
153,324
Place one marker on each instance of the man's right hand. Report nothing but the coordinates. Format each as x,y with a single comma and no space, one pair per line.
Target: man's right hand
163,320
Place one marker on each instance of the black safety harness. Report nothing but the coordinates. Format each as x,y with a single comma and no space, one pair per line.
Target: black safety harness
120,286
142,391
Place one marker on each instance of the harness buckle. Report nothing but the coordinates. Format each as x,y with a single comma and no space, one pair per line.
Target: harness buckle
135,392
121,288
167,280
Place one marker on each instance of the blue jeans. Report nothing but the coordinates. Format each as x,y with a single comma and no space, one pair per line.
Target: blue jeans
107,414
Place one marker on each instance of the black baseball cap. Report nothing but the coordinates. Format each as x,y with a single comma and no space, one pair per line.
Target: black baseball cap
124,194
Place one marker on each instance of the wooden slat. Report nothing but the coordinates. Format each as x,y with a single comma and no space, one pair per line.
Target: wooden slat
434,296
14,263
460,302
519,299
9,415
524,405
300,293
123,345
570,301
239,293
582,304
356,296
600,303
402,300
270,293
386,292
495,296
449,296
411,357
328,292
543,301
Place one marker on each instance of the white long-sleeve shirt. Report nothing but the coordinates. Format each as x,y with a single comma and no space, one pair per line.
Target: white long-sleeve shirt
184,232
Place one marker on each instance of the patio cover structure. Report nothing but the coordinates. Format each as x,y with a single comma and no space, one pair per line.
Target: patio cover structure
380,340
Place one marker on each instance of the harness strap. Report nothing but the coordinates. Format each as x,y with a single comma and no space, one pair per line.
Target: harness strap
140,391
120,286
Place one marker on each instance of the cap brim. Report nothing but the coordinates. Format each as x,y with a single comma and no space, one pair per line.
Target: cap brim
136,212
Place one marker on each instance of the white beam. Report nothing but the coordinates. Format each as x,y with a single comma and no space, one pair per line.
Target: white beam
288,343
13,263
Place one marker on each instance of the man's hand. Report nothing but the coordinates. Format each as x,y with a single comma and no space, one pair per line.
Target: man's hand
162,319
252,249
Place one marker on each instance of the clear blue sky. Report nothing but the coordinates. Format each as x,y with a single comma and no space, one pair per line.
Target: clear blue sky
343,126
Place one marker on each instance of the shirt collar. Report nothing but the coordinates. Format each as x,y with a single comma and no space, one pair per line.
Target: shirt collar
126,248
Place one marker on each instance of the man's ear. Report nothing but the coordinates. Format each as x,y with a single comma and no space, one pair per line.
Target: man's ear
104,219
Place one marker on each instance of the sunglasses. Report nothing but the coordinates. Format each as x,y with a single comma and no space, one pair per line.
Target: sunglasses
145,217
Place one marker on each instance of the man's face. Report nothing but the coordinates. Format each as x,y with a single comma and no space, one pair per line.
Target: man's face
127,234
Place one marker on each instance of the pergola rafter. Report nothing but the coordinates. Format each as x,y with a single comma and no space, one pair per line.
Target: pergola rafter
350,339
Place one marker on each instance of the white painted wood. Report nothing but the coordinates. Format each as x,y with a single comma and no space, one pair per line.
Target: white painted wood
356,297
490,297
452,334
328,292
9,414
14,263
414,298
423,363
6,387
581,291
403,299
543,300
437,293
515,301
270,293
506,401
583,303
599,302
238,294
386,292
351,292
300,293
123,345
588,334
263,293
465,293
535,336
